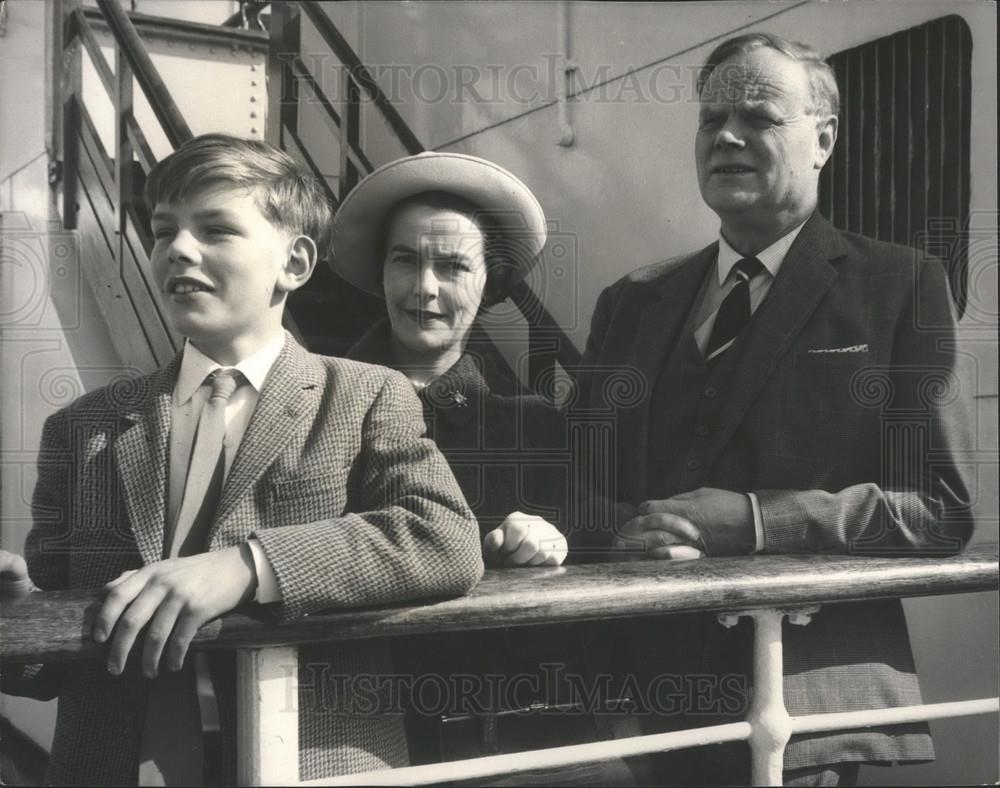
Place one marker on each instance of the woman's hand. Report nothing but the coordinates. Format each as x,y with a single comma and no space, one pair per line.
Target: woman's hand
14,580
524,540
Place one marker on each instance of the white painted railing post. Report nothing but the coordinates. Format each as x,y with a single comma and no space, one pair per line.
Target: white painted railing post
770,723
771,727
267,716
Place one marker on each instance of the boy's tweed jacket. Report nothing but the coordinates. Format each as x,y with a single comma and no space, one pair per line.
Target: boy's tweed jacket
351,503
841,406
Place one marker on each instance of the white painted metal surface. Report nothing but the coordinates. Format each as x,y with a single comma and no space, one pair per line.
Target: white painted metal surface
267,716
770,725
845,720
513,763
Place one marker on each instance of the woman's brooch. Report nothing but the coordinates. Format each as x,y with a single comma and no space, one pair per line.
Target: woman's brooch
458,398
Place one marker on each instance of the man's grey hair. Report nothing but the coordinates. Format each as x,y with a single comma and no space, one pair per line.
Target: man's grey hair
823,88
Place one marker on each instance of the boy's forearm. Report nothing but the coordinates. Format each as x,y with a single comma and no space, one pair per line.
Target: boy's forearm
372,558
411,534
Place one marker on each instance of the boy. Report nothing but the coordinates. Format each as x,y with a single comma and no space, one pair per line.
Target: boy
285,477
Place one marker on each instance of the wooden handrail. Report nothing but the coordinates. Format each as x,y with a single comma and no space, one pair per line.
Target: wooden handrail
152,84
56,625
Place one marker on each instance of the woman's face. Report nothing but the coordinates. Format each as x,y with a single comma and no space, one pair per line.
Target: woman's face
433,277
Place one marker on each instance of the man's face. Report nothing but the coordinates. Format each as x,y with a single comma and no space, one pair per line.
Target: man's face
433,277
221,268
759,147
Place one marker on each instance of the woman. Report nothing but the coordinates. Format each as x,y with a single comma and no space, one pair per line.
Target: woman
442,237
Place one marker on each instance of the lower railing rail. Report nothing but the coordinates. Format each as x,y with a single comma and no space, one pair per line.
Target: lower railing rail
53,626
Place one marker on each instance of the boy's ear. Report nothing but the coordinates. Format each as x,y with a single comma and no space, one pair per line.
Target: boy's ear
299,265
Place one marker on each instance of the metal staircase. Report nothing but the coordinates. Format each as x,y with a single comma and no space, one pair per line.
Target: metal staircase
101,189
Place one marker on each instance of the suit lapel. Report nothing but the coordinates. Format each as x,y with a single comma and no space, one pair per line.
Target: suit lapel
290,395
804,279
141,457
659,330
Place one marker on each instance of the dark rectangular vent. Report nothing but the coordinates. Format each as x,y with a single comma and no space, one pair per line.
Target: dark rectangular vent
900,169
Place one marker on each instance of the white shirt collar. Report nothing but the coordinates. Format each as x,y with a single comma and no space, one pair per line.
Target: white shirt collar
771,258
195,367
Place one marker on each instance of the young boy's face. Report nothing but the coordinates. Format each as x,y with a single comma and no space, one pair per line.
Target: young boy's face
223,270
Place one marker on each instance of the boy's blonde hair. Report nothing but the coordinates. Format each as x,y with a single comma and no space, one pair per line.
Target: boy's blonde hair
288,195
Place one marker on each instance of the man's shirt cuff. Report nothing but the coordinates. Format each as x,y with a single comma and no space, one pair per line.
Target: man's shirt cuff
758,524
267,582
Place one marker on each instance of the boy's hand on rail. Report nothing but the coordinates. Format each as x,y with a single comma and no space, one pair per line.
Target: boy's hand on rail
524,540
174,597
14,581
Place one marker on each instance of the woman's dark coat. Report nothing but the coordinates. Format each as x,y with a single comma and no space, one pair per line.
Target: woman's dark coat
509,452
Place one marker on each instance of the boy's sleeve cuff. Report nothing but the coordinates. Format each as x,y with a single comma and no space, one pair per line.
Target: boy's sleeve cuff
267,582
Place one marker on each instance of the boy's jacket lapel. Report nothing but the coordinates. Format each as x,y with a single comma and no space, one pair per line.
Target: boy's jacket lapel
141,456
291,394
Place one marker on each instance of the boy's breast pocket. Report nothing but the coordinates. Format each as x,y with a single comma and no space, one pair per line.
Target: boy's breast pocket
307,499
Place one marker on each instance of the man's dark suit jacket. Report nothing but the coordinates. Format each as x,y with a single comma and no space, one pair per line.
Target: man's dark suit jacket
350,501
840,408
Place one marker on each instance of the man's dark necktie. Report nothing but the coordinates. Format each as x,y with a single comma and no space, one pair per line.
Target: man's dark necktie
734,312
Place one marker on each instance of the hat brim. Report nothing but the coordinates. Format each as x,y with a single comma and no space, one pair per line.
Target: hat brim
358,227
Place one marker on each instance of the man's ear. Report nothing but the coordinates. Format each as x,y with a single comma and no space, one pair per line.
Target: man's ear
826,137
299,265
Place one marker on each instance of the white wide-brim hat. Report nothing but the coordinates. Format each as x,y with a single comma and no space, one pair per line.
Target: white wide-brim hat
359,225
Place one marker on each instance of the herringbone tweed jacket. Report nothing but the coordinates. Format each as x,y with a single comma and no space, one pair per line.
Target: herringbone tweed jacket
352,505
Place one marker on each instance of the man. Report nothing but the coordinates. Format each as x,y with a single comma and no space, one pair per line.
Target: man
801,398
